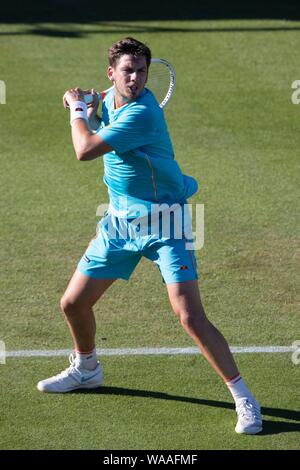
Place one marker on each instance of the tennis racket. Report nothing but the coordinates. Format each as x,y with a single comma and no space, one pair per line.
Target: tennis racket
161,81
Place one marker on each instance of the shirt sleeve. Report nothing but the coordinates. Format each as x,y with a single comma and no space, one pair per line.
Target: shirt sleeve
134,128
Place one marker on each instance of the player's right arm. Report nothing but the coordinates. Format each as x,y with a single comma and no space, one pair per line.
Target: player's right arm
87,145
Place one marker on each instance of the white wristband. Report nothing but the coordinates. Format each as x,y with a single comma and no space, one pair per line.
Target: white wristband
78,110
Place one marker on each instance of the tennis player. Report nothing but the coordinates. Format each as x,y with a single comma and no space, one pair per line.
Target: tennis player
141,174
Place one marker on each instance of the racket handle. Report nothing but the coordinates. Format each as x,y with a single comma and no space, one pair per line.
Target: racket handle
88,98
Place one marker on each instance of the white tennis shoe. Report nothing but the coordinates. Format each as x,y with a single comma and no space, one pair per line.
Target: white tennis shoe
72,379
249,416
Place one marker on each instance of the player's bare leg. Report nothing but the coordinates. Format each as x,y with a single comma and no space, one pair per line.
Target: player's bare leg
77,302
186,303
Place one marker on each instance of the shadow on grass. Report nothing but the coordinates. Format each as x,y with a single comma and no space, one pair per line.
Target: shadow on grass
278,427
269,427
131,28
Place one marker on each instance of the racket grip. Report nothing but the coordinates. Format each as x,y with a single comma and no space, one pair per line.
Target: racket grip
88,98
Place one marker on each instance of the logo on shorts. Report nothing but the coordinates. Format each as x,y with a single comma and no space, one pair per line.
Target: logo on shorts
182,268
78,109
86,259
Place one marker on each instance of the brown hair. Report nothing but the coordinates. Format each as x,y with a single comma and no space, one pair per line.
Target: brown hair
129,46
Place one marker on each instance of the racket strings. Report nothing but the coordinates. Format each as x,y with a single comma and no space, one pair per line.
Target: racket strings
159,81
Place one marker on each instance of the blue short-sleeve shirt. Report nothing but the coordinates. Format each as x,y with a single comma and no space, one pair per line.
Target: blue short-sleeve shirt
141,170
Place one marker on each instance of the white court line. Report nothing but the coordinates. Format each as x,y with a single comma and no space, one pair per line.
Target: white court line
148,351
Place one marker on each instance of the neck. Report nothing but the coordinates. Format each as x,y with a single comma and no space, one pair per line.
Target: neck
120,101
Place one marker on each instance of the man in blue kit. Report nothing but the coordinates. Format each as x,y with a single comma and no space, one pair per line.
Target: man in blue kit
140,173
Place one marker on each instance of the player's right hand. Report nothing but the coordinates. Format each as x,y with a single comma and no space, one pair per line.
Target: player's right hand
74,94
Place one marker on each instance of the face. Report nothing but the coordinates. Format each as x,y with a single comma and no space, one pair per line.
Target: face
129,76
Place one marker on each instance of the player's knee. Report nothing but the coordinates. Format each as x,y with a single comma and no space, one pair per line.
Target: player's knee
68,307
191,320
187,320
63,305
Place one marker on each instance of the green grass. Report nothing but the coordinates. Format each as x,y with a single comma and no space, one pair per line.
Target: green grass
235,130
148,403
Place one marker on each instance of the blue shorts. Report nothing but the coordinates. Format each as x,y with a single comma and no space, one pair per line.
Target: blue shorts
119,245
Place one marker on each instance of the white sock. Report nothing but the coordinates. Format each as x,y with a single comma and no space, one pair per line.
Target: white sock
238,388
86,360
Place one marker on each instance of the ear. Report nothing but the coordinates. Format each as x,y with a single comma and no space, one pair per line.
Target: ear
110,73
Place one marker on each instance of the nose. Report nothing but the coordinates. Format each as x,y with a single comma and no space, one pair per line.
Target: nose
133,76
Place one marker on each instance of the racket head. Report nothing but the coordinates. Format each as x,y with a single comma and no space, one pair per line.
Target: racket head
161,80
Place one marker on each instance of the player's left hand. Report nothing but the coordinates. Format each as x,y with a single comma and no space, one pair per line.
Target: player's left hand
74,94
93,106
